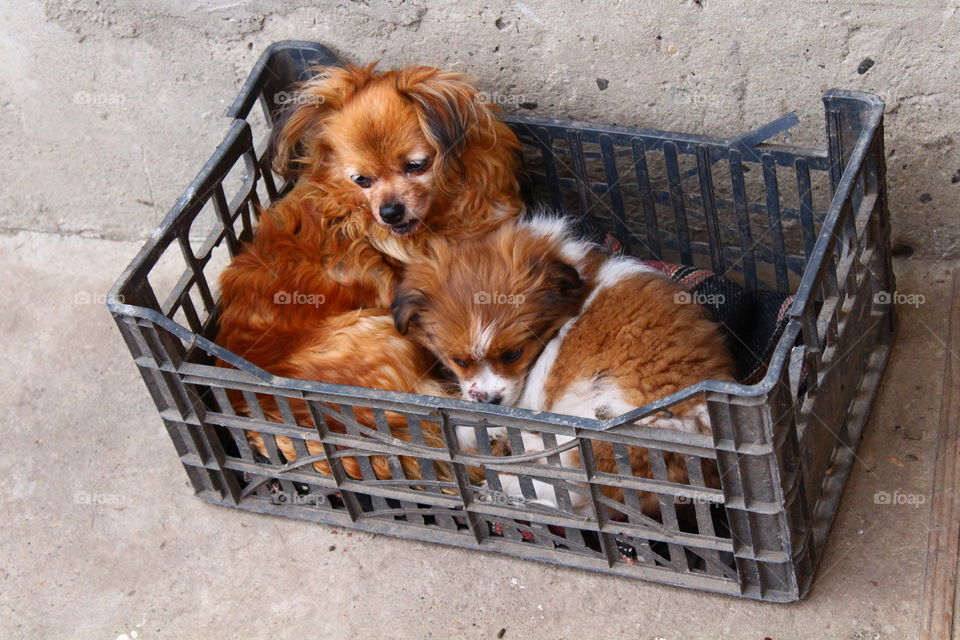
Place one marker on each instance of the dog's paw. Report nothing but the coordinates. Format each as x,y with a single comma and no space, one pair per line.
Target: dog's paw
546,495
497,436
467,438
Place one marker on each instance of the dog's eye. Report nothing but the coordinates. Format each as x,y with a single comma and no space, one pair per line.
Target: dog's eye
511,356
459,362
415,165
363,181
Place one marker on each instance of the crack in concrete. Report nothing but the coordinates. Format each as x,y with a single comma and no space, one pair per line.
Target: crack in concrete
146,173
85,234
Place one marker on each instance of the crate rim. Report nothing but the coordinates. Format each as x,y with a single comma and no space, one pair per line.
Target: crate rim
239,133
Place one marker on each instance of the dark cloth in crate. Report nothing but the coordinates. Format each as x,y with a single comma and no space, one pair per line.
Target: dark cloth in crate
752,320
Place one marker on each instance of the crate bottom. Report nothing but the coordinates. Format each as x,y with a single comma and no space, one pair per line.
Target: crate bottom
824,516
497,545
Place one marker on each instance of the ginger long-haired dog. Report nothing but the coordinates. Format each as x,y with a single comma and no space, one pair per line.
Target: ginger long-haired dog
390,166
531,317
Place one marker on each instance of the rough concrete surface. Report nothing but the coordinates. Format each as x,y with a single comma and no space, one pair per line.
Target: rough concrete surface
101,537
107,110
113,106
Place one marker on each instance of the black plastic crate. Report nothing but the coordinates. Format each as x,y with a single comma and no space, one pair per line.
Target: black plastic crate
808,221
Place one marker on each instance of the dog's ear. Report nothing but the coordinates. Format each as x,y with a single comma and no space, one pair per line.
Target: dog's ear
564,288
408,307
296,139
450,112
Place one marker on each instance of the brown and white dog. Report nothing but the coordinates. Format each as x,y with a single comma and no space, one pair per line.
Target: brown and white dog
533,318
392,166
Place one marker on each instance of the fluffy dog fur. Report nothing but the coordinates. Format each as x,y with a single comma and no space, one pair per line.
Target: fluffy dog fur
390,167
332,356
530,317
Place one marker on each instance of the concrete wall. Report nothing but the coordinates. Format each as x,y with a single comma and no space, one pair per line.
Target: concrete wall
107,110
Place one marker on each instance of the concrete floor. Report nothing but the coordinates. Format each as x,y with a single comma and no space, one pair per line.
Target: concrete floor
120,102
149,560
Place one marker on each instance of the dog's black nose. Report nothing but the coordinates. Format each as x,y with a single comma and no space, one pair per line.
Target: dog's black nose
392,213
495,400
